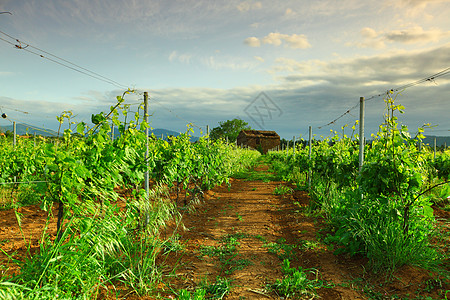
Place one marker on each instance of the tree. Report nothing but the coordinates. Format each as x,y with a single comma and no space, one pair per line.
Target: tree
229,129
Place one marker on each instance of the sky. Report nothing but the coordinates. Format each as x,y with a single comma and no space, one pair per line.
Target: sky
278,65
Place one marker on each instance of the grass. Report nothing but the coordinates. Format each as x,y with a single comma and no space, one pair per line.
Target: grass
95,253
252,175
206,290
296,282
282,190
227,253
24,195
281,249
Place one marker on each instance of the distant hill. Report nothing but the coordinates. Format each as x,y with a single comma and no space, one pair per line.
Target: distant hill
161,133
23,129
440,140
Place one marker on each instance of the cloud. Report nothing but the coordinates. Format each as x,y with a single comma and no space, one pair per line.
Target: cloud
248,5
288,12
283,64
215,62
252,41
368,33
295,41
415,7
416,35
183,58
227,62
122,18
259,58
412,35
393,69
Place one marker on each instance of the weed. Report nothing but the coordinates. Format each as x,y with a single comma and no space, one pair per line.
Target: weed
236,264
173,244
282,250
199,294
252,175
282,190
296,283
226,253
218,289
261,238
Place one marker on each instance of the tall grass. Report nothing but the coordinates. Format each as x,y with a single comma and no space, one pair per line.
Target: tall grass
95,253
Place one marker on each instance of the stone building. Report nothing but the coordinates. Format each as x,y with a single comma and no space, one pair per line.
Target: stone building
258,139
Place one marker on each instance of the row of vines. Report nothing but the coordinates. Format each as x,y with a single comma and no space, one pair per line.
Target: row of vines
108,227
384,211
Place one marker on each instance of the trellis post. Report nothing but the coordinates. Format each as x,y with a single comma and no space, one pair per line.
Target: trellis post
361,133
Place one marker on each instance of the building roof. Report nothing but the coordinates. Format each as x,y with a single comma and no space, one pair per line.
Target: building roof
260,134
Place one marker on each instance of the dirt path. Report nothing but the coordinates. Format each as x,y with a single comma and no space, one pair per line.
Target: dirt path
266,229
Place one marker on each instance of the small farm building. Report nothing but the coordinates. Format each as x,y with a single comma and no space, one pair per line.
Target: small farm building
258,139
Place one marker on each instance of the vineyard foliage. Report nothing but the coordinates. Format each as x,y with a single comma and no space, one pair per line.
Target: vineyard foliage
87,174
383,212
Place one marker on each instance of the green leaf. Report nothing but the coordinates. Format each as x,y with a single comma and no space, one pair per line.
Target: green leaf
428,211
98,118
80,128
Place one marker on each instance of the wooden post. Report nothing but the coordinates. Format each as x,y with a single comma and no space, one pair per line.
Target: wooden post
310,151
147,180
361,133
434,148
112,132
287,149
14,142
14,134
293,147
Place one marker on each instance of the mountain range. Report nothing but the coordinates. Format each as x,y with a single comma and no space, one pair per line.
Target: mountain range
22,129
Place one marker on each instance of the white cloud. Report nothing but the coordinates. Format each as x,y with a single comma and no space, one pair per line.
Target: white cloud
248,5
416,35
273,38
227,62
413,8
283,64
412,35
296,41
259,58
183,58
252,41
369,33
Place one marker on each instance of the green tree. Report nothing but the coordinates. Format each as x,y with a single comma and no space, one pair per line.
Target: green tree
230,129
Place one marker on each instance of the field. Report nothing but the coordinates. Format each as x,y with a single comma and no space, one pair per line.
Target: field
221,222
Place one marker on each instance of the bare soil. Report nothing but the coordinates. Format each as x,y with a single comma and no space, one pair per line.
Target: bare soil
267,228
